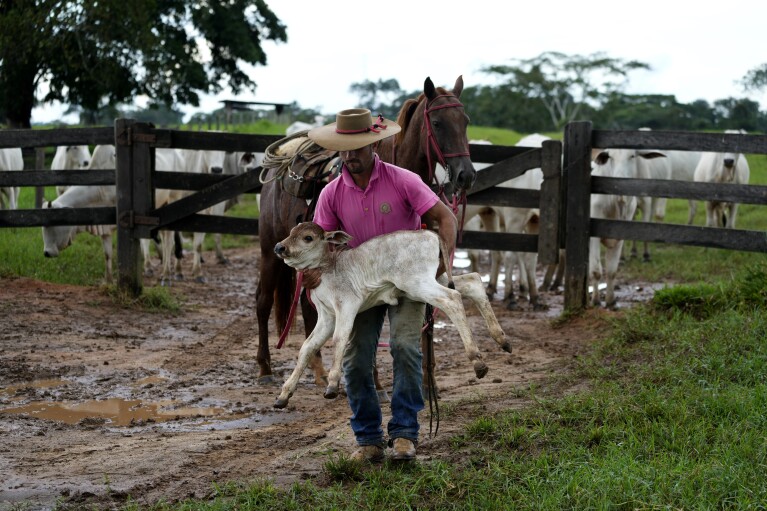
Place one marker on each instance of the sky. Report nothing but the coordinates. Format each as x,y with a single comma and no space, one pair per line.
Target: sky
698,52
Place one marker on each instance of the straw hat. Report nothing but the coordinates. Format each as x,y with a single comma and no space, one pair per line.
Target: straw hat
353,129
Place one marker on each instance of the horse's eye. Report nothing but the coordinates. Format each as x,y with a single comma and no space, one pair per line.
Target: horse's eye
308,239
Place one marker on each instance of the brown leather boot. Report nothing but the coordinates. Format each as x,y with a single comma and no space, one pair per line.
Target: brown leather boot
402,449
369,453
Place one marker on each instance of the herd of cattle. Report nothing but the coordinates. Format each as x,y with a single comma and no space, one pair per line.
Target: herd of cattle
626,163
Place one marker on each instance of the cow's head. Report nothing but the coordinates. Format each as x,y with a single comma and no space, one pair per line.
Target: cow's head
307,246
56,238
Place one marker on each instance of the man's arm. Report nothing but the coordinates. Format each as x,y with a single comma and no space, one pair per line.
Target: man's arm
446,222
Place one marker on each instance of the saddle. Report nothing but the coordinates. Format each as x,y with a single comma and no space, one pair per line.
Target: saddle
302,166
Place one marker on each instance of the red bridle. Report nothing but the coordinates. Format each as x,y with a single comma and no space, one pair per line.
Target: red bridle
430,144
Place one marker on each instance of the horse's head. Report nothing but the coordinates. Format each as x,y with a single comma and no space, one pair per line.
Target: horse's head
446,122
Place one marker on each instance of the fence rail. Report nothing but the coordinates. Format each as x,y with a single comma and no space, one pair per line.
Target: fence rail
563,199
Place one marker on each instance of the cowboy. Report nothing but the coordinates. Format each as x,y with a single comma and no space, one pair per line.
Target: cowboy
371,198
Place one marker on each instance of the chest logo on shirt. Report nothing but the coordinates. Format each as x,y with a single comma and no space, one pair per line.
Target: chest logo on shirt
385,208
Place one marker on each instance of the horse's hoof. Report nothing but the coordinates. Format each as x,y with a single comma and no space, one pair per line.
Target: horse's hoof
538,306
480,369
281,403
506,346
201,280
512,305
266,379
331,393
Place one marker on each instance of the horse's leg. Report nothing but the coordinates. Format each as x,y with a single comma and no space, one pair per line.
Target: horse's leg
270,276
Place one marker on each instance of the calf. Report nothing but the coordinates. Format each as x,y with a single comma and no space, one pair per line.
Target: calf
379,271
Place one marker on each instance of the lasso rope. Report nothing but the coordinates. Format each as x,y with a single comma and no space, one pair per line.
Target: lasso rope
281,162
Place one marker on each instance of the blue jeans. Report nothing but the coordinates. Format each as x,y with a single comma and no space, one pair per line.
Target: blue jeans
405,323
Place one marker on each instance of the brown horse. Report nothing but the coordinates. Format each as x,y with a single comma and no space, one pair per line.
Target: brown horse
433,131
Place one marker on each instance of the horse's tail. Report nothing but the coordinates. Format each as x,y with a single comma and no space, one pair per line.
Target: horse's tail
283,297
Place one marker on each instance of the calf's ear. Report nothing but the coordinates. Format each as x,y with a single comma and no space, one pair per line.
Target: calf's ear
337,237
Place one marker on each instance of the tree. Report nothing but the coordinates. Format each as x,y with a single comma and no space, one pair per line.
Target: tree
755,79
369,95
94,53
565,83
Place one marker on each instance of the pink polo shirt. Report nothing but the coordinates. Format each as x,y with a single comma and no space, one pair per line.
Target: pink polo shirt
394,200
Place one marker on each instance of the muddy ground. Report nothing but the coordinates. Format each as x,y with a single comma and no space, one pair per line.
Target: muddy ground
99,402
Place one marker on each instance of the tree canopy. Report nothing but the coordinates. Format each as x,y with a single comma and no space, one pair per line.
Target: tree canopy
94,53
566,83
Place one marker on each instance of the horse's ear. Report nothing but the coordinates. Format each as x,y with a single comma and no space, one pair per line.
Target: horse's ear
428,89
458,87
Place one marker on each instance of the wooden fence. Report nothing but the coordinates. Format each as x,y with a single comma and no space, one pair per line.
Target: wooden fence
563,199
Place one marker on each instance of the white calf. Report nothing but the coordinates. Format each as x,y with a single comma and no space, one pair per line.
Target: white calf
612,163
722,168
70,157
379,271
10,159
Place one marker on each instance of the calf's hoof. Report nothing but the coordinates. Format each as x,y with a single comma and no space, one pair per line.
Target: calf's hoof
281,403
331,393
480,369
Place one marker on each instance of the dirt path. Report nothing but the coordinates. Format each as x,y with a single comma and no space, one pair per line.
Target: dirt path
98,403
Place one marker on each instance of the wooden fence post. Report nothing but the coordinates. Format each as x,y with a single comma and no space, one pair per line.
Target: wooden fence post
135,197
577,175
39,165
548,234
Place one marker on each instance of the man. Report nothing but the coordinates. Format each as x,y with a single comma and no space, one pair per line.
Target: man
368,199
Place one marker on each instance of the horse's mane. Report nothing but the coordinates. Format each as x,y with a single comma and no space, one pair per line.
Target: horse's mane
408,109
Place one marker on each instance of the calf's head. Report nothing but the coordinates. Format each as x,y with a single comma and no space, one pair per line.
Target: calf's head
307,246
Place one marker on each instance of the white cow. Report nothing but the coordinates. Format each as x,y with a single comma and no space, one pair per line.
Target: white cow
623,163
297,126
70,157
722,168
683,165
202,162
57,238
10,159
236,163
379,271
